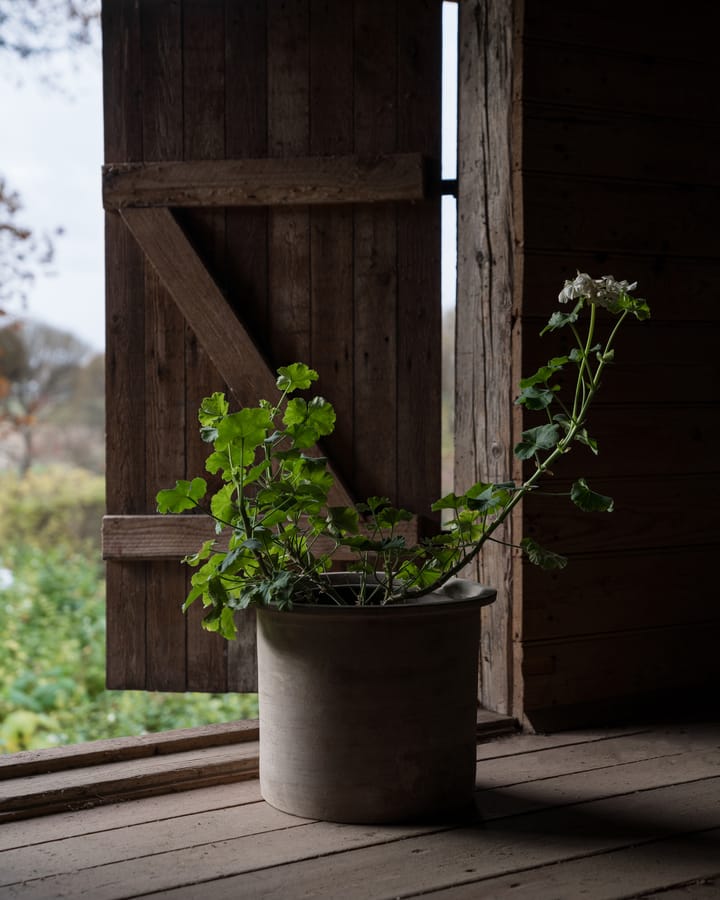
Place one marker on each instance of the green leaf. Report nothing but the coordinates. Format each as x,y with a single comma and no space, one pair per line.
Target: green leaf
588,500
584,438
295,377
492,499
544,437
544,372
561,319
389,517
342,519
213,408
218,461
185,495
637,306
241,433
227,628
536,398
539,556
307,422
449,501
201,555
222,506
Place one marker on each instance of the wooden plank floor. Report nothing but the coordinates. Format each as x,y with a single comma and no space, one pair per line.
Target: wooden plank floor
592,814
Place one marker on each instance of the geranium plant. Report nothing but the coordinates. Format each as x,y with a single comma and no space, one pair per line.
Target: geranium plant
273,498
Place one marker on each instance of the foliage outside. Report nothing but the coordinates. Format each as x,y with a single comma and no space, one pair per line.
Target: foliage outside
52,622
272,497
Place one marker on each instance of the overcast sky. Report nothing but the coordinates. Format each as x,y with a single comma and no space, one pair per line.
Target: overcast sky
51,154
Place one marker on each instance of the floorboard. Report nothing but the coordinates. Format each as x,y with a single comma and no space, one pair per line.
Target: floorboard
595,814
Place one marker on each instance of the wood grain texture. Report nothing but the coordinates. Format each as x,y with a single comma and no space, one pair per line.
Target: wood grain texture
162,122
375,273
597,199
288,68
650,799
418,247
332,301
172,537
203,139
125,330
323,180
111,750
282,88
489,280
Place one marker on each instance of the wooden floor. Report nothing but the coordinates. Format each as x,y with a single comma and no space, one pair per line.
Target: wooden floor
594,814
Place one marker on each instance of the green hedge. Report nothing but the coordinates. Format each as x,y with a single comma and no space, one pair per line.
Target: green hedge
52,627
52,506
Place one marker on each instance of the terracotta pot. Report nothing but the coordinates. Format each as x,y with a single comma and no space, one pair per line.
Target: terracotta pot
368,714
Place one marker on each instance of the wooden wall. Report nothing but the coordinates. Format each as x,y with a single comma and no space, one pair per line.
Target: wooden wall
609,121
351,289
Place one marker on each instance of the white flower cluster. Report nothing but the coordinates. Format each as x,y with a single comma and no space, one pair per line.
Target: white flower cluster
604,291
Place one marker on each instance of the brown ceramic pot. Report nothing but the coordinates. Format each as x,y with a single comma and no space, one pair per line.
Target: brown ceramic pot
368,714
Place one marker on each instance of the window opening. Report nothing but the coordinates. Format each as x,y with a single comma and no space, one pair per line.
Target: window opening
449,235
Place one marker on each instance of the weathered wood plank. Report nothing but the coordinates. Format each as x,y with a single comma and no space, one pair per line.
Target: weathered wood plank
112,817
220,825
266,182
226,341
489,290
172,537
331,228
650,759
593,143
653,221
288,68
125,329
74,756
419,322
562,676
109,783
246,236
636,83
651,866
203,138
162,121
652,513
595,595
165,394
411,860
375,273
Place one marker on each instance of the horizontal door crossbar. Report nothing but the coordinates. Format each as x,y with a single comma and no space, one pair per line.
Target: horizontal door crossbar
266,182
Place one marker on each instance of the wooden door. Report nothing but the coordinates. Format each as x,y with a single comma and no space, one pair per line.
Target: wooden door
272,195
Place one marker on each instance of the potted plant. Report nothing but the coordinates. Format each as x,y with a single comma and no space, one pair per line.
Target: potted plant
368,678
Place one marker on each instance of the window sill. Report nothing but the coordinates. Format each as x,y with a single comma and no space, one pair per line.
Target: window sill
39,782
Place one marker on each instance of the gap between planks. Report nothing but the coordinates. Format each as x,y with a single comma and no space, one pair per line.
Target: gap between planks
603,818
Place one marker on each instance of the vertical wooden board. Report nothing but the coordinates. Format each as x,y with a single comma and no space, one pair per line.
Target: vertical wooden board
488,279
203,138
419,306
288,135
165,393
125,453
161,43
375,256
246,236
246,117
125,458
331,229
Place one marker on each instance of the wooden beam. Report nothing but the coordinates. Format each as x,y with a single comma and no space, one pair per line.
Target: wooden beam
265,182
171,537
226,341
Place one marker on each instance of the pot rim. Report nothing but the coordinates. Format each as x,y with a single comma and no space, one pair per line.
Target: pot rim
455,594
